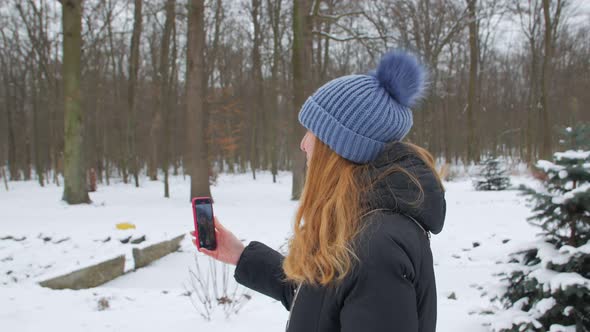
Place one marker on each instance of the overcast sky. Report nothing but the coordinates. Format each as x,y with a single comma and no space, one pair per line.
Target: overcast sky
510,33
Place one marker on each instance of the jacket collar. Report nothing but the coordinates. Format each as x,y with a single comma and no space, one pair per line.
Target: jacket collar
395,191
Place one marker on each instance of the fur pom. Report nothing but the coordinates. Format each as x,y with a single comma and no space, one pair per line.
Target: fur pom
402,75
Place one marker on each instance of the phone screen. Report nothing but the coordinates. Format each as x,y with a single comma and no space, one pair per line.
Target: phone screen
206,227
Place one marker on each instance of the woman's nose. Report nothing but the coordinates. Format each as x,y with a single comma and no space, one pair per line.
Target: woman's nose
301,146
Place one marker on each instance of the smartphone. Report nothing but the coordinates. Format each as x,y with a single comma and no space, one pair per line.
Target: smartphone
204,222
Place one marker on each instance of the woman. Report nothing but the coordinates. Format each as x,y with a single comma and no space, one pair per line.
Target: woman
359,258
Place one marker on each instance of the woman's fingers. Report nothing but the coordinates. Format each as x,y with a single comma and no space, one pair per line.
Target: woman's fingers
209,253
219,225
203,250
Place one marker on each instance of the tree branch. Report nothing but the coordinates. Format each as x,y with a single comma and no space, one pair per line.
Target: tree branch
348,38
334,18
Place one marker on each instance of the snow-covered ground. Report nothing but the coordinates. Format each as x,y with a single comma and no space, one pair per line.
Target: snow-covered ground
481,229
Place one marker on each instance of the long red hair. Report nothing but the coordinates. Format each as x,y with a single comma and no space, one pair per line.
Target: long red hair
329,216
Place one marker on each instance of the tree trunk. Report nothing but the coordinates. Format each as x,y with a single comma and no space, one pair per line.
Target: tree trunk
472,104
75,191
12,162
257,89
546,145
446,125
36,133
164,92
326,62
301,63
531,106
131,102
197,117
275,15
119,133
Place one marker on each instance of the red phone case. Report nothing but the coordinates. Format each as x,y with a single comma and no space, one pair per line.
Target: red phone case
193,201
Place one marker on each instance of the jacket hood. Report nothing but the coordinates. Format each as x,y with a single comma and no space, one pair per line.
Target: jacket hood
395,191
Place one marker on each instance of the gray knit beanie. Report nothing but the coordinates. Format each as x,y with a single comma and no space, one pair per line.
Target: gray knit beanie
356,115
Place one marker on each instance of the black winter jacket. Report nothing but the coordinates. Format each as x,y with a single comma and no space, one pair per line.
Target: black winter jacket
393,287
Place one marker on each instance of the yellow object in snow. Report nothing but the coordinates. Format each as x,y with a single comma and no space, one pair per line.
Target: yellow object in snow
125,225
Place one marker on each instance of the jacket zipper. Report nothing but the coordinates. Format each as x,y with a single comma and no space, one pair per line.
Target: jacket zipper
293,305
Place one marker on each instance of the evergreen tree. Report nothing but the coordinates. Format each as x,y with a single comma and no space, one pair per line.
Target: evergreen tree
550,291
493,176
562,207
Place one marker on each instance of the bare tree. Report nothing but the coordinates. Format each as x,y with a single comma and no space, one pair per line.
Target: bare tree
132,158
162,121
428,27
274,14
253,75
35,17
257,105
530,23
197,117
74,172
472,102
552,20
8,68
301,62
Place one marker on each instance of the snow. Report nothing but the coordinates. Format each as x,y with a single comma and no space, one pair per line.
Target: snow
568,310
572,154
547,166
505,320
543,276
565,197
561,281
514,316
553,280
543,306
584,249
35,213
155,298
561,328
566,252
520,303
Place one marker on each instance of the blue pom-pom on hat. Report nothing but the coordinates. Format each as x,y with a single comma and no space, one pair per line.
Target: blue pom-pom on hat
402,76
356,115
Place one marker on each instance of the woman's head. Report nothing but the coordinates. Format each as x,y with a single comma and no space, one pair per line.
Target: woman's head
349,121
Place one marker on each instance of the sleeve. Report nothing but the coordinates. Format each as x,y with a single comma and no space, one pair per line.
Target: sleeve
260,268
382,298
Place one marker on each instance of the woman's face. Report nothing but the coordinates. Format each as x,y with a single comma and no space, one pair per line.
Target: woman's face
306,145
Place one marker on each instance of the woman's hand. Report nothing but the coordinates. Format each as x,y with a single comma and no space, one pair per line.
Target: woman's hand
229,247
